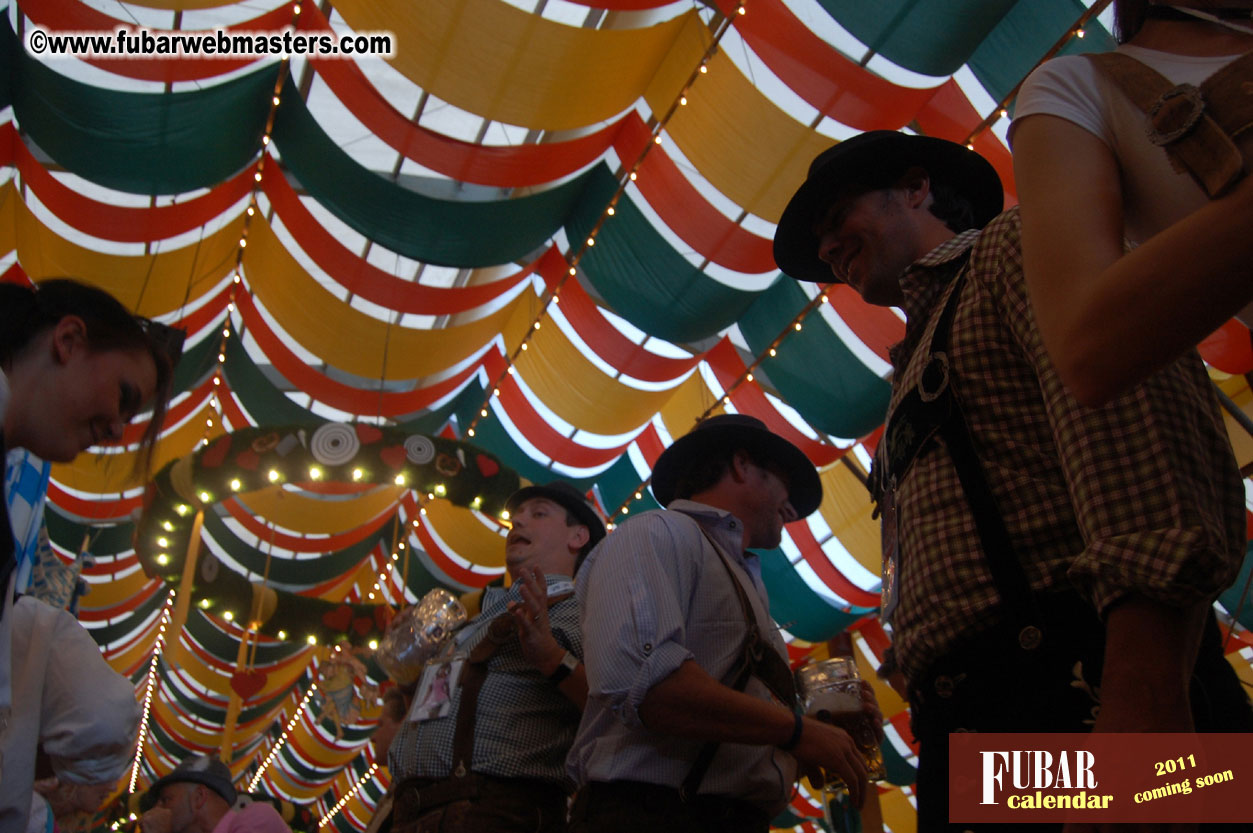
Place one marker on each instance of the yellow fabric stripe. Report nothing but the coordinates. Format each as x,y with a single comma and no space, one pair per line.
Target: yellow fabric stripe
846,508
503,63
556,370
112,473
898,813
465,534
344,337
320,516
151,285
742,142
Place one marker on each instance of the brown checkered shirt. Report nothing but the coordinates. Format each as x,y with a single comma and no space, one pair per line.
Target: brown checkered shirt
1139,496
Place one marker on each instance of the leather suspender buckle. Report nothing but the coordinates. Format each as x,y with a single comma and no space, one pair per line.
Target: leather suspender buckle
1169,119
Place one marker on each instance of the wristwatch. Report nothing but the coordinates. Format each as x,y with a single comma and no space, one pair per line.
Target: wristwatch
565,668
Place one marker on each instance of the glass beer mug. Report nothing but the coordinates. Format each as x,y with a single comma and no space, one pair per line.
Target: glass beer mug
418,634
831,692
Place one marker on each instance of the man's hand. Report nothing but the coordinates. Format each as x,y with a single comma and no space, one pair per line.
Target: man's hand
826,752
870,706
535,635
156,820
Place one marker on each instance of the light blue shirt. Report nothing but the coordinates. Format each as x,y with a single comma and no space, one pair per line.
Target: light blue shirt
653,595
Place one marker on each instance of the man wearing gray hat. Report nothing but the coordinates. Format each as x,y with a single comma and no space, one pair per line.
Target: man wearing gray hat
484,746
199,796
1047,567
691,722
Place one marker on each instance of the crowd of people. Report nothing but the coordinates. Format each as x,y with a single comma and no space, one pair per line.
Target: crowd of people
1059,500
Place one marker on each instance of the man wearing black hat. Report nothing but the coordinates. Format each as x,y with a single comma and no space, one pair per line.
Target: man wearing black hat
489,752
199,796
690,722
1047,567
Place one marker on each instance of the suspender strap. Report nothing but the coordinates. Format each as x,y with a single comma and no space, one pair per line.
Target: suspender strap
932,407
1194,125
500,630
756,659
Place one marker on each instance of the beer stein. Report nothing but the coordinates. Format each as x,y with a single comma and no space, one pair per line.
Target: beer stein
831,691
418,634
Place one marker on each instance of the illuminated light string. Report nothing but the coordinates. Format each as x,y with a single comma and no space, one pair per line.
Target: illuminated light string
1001,110
282,741
236,280
551,296
150,689
796,325
339,805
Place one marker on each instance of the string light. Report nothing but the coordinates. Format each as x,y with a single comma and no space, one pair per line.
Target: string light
150,689
552,296
278,745
339,805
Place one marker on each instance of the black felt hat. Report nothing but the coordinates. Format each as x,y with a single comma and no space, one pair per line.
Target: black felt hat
867,162
736,431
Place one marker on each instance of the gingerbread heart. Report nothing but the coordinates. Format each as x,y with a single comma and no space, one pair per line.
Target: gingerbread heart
394,456
338,619
247,683
487,466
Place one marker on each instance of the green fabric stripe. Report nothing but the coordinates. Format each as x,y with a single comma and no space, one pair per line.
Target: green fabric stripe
144,143
445,232
838,394
933,37
106,541
796,608
640,275
899,771
618,483
1016,45
224,647
491,434
293,573
124,628
1232,598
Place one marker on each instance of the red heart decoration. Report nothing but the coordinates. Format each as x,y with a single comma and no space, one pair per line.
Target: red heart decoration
247,683
368,433
215,454
487,466
383,615
363,625
248,459
393,456
338,619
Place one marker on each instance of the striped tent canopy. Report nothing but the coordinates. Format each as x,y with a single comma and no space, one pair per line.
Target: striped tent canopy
532,242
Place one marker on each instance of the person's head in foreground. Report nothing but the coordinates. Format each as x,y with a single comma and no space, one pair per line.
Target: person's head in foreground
875,203
733,462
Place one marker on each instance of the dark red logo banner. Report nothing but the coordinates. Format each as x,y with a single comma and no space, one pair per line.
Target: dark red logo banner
1006,778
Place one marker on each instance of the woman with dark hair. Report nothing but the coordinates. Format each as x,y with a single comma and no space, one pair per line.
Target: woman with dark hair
1093,173
76,367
